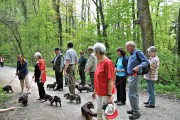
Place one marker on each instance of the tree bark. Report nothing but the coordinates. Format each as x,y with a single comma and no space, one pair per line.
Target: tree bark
178,39
133,16
97,20
146,25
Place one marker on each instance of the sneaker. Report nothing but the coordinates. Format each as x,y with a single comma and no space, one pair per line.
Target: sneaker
146,103
149,106
116,101
134,116
120,103
60,89
130,112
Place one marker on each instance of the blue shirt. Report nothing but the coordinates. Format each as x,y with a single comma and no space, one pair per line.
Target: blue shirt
120,67
82,61
134,62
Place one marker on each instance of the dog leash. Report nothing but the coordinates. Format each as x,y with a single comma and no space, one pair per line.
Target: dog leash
13,79
134,74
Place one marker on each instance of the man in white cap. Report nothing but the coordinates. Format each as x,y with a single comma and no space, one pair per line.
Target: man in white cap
91,66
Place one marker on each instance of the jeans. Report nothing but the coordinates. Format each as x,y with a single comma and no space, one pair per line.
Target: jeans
134,82
150,89
121,88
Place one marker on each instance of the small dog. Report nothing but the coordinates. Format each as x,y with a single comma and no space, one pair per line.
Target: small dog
81,88
51,85
24,99
73,97
8,88
53,99
85,109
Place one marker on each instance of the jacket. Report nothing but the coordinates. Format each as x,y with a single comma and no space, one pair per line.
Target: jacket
59,62
124,62
22,69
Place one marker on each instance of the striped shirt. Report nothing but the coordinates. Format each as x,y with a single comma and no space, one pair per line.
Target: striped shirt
154,67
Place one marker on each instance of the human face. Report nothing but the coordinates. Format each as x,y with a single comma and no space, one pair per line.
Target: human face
119,53
97,55
89,51
151,54
36,58
56,51
129,48
81,54
20,58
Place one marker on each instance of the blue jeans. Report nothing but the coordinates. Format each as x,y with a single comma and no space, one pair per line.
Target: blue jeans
150,89
134,82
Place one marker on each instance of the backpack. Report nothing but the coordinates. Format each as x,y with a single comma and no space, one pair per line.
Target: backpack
146,69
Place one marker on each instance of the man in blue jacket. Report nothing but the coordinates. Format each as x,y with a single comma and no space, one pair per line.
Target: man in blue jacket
135,65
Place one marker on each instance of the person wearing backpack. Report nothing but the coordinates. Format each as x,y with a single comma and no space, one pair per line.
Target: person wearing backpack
58,67
152,76
136,62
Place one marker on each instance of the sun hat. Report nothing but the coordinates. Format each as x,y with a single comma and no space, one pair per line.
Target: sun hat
90,48
111,111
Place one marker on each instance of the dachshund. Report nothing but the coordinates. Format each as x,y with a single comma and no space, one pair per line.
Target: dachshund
7,88
85,109
24,99
81,88
72,97
53,99
51,85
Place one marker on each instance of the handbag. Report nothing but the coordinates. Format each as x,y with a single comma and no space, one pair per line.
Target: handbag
21,76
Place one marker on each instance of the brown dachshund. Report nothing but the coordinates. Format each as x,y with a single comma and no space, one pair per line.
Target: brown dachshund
85,109
72,97
81,88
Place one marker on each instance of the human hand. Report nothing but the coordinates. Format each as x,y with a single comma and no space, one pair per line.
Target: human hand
33,77
109,100
17,73
88,72
136,69
60,71
94,95
65,72
12,108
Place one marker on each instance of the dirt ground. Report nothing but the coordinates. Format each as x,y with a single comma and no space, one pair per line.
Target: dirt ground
166,109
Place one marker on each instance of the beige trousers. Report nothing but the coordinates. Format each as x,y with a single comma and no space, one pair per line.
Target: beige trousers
101,100
26,80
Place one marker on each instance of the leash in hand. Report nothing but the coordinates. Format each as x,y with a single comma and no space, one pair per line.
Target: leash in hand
13,79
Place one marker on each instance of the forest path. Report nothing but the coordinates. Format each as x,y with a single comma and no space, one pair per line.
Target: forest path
166,109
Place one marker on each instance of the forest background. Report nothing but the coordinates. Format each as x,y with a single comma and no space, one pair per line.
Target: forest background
29,26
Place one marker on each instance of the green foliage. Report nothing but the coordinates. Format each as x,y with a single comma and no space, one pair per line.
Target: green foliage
3,96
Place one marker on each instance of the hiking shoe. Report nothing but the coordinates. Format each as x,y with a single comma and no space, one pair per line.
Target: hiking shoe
149,106
130,112
134,116
146,103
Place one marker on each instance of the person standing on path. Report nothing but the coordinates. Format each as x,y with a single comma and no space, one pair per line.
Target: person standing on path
103,80
81,67
91,66
40,74
135,65
71,59
22,72
121,72
1,61
58,67
152,76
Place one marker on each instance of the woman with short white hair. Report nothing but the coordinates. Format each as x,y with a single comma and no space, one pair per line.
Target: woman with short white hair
103,80
40,74
152,76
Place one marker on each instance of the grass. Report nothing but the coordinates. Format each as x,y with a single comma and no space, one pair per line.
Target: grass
3,96
162,89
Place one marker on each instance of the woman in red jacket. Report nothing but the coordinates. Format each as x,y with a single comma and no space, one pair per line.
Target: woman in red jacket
40,74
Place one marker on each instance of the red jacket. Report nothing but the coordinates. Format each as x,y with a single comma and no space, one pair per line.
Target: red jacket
41,66
1,59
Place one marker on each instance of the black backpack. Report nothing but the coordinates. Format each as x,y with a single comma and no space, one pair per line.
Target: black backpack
146,69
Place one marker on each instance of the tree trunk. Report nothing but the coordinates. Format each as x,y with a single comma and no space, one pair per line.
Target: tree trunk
57,7
66,17
146,25
178,39
133,16
23,2
89,14
97,20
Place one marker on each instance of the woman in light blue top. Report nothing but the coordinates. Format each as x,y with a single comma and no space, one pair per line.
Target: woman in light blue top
121,71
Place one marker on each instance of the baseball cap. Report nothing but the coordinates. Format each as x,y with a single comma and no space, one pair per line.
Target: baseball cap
90,48
82,52
56,49
110,111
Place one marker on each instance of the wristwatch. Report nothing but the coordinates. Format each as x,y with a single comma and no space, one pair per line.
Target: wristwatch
109,95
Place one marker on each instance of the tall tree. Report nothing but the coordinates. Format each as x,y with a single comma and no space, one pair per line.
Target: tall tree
178,39
146,25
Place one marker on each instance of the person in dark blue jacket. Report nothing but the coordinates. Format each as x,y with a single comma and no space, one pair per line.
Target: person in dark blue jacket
22,72
121,72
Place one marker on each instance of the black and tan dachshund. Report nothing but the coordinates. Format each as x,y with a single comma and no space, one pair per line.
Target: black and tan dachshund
86,110
81,88
7,88
72,97
53,99
24,99
51,85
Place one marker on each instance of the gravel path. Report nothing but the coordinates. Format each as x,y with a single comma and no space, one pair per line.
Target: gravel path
166,109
